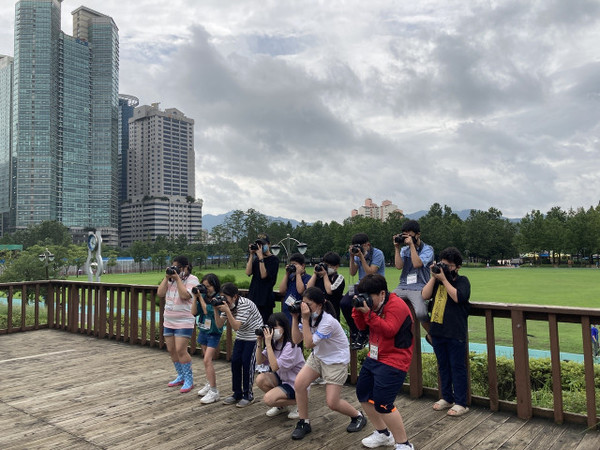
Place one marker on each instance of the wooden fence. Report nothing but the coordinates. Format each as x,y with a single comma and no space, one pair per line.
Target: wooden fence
130,313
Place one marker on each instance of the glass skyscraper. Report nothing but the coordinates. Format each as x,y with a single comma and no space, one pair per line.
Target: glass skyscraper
64,158
6,79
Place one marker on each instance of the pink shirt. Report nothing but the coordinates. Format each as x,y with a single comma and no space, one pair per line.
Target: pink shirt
178,312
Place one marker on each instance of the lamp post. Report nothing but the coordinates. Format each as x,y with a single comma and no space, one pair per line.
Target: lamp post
276,248
46,257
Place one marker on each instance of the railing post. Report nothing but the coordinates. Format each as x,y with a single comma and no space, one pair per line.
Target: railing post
73,312
51,304
521,358
556,370
415,371
23,306
588,362
491,361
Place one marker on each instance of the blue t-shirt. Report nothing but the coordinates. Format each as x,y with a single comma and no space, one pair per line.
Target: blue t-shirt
291,293
412,279
374,258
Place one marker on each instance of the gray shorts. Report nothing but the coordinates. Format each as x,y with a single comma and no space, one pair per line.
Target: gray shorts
417,302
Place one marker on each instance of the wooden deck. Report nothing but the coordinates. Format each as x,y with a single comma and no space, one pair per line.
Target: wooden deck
64,390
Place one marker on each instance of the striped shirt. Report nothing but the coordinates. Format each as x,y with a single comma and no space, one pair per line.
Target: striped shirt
178,313
247,313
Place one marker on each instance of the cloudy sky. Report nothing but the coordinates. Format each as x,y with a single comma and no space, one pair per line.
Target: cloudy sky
304,109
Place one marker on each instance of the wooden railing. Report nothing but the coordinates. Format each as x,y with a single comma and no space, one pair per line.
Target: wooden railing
130,313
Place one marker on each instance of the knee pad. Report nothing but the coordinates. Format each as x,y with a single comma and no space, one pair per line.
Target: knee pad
385,409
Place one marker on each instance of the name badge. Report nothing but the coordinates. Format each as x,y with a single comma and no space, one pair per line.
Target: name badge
290,300
373,351
206,324
411,278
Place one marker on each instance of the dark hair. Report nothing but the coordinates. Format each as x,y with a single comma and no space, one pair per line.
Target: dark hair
213,280
332,258
316,295
372,283
183,262
452,255
230,289
281,320
298,257
360,238
411,225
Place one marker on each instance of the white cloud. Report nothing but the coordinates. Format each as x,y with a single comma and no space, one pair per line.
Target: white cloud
303,111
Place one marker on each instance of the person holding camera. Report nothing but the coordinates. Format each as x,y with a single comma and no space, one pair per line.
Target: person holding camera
178,324
293,284
390,352
326,278
364,259
285,359
244,318
319,330
263,266
209,332
449,319
413,257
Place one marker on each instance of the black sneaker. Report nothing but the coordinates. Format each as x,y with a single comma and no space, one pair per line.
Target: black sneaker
357,423
302,429
361,339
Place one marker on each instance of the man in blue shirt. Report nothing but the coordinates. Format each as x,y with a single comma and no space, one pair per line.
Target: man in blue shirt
413,257
364,259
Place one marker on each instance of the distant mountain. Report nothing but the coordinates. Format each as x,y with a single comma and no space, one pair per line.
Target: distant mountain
210,220
463,214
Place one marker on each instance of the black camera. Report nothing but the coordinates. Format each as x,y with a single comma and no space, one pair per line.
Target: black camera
296,307
321,267
438,267
356,249
290,268
362,299
200,289
173,270
218,300
399,239
259,331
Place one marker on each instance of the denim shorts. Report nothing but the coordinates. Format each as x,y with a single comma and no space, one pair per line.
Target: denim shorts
178,332
209,339
289,390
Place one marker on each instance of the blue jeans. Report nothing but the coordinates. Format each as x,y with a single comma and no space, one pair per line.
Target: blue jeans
243,362
451,356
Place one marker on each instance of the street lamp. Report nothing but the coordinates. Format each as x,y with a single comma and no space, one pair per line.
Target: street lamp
46,257
276,248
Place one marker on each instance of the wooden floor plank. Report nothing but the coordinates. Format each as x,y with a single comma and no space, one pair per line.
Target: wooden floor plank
74,391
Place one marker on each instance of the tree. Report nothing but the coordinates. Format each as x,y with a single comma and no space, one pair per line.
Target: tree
139,251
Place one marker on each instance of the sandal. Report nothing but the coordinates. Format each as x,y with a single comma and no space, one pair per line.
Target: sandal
457,410
442,404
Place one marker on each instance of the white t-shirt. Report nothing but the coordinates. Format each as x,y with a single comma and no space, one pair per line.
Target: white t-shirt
331,342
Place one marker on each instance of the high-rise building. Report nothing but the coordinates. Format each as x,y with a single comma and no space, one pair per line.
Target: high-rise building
160,177
374,211
127,104
6,80
64,157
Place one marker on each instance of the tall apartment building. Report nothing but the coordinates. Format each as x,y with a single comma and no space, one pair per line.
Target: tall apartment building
64,156
6,79
160,177
373,210
127,103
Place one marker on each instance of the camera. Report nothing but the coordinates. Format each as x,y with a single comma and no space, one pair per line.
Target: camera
295,308
173,270
291,268
356,249
259,331
438,267
399,239
218,300
321,267
362,299
200,289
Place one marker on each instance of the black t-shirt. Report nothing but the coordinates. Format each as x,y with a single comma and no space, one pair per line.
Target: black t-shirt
261,289
337,285
453,316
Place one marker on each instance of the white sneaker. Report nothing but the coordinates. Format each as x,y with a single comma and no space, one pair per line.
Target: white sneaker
404,447
378,439
276,410
204,390
293,414
211,397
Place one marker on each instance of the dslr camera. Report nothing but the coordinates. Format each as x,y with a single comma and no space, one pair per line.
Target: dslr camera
173,270
356,249
321,267
439,267
295,308
217,300
290,268
362,299
259,331
200,289
257,244
399,239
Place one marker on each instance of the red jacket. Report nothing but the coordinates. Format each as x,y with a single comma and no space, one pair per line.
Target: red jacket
391,331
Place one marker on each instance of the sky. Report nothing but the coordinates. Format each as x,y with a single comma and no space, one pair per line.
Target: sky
305,109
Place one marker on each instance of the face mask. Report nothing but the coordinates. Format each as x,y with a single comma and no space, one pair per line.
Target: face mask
453,274
330,271
314,315
277,333
265,248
